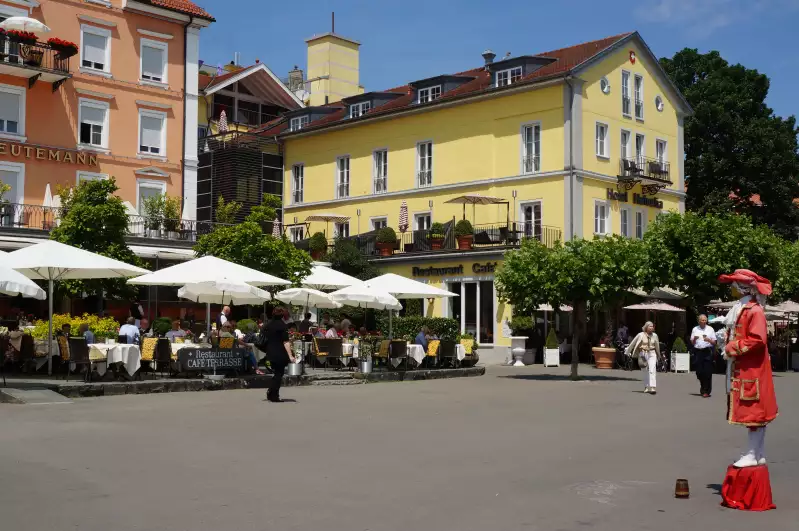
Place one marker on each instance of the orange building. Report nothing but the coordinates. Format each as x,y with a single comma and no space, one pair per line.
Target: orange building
123,106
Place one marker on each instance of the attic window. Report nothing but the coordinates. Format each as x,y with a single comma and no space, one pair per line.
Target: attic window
508,77
359,109
298,123
429,94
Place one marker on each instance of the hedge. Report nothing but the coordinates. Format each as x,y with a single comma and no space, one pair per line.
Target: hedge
409,327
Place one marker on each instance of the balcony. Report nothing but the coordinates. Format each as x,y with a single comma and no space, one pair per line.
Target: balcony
424,179
531,164
342,190
244,117
653,174
37,221
35,62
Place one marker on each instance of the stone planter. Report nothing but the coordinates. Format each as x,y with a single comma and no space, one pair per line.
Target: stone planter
603,357
385,249
517,350
173,235
680,362
365,365
551,357
436,242
465,242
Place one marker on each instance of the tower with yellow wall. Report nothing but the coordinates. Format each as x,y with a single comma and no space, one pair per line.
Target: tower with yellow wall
333,64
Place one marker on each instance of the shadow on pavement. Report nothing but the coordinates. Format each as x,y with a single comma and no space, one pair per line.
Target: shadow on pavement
565,377
715,487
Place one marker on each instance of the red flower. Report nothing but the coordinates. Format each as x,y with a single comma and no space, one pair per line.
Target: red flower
22,36
61,43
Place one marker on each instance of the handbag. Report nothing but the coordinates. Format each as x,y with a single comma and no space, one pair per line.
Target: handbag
260,341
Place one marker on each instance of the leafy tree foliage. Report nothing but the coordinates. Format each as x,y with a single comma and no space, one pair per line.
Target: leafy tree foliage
735,143
226,211
251,244
94,219
345,256
787,284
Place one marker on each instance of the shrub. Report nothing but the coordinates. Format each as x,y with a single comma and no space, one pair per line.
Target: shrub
153,208
521,323
386,235
171,214
679,345
318,243
100,327
437,230
161,325
463,228
467,335
552,339
245,323
409,326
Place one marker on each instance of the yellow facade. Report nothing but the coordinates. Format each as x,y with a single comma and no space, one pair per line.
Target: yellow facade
333,66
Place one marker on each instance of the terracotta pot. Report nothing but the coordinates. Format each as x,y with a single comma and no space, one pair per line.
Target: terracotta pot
436,242
385,249
604,357
465,242
316,255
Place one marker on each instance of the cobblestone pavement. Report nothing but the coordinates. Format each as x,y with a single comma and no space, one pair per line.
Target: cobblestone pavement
514,449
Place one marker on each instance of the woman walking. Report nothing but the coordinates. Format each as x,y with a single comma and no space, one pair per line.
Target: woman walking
278,352
647,347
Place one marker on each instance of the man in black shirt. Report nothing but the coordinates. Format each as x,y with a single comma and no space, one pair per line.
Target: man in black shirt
305,324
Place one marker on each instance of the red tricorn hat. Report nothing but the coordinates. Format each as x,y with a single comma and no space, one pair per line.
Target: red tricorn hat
749,278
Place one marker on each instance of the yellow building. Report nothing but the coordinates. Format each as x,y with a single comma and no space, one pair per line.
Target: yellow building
575,142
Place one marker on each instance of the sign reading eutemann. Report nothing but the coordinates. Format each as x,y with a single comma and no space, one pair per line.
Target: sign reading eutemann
206,360
48,154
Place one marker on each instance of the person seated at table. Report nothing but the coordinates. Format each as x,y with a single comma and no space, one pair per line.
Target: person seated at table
175,332
87,334
66,330
363,332
234,329
14,340
226,331
305,324
145,330
422,338
130,330
247,341
331,333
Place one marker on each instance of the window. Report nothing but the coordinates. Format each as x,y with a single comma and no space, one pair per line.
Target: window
531,219
640,143
659,103
148,189
202,131
359,109
93,123
625,93
625,145
154,61
660,150
640,224
604,85
625,222
12,174
95,48
508,77
379,223
297,183
422,221
299,122
12,111
601,218
342,177
429,94
342,230
380,171
152,133
639,97
89,176
424,163
531,148
296,234
602,141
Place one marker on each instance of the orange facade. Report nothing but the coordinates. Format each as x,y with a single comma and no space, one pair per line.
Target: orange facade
119,111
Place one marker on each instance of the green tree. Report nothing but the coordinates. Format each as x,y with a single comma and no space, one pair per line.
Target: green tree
226,211
96,220
688,252
734,143
787,283
345,256
251,245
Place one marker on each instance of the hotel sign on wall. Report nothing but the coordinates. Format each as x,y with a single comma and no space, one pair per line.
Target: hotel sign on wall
34,152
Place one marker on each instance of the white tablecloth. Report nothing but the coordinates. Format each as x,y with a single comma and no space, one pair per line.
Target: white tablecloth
417,353
128,355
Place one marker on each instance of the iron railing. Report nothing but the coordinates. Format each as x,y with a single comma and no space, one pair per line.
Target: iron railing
38,56
642,167
531,163
381,185
342,190
241,116
510,234
424,178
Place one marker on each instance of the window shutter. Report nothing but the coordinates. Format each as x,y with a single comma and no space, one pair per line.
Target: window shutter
151,131
152,62
9,106
94,48
92,115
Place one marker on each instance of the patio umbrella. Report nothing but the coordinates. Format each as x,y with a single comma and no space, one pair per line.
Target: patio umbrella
15,283
403,217
406,288
224,292
307,297
365,296
326,278
53,261
327,218
659,293
52,205
223,126
24,24
788,307
719,319
477,199
655,306
276,228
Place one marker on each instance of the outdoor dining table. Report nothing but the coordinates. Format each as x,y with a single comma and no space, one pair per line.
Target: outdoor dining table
128,355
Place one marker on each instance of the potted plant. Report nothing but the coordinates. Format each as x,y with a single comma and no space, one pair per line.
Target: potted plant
22,37
551,350
464,232
680,359
386,240
161,325
605,353
365,363
153,208
172,217
521,328
296,368
470,347
64,48
318,245
437,236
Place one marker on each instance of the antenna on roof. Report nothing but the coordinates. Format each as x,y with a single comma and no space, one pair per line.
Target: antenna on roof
332,22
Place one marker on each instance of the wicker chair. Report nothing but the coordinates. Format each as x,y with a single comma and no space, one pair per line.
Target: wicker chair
148,346
79,355
431,357
447,354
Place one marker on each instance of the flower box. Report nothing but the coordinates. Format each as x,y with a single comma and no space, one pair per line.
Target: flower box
22,37
64,48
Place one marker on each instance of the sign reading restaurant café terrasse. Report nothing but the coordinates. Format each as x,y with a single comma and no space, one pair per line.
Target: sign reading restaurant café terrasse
638,199
488,267
46,153
206,360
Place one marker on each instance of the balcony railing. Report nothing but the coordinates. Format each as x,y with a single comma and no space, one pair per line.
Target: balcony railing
17,58
241,116
424,178
381,185
38,220
531,163
342,190
644,168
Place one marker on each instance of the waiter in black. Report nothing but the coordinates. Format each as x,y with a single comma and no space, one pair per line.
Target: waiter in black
278,352
703,339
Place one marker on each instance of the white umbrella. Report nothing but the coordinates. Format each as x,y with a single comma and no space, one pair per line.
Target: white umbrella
403,217
15,283
365,296
406,288
323,277
718,319
788,307
24,24
207,269
276,228
548,308
307,297
223,126
52,261
655,306
224,292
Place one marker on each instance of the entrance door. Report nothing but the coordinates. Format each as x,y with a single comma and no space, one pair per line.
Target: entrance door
474,309
531,219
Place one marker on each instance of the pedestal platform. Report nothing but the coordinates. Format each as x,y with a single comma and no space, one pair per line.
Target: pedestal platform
747,489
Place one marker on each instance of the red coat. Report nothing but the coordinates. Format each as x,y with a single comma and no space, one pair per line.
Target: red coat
752,401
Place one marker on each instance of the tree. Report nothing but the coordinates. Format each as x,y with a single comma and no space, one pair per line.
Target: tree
347,258
226,211
689,252
94,219
735,146
786,285
249,244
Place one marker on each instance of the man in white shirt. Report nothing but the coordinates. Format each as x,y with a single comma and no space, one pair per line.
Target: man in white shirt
176,331
130,330
703,339
331,332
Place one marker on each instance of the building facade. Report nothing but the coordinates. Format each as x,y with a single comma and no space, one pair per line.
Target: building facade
575,142
123,106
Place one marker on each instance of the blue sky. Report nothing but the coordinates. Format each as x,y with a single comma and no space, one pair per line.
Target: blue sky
405,41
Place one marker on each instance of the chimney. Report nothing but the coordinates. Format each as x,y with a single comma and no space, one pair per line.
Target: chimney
296,79
488,55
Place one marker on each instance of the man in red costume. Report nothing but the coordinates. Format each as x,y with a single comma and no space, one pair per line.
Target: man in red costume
751,399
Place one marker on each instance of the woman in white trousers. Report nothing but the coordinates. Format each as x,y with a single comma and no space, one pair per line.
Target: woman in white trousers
647,347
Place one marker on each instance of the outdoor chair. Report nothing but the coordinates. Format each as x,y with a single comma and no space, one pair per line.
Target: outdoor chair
79,355
330,348
482,238
63,350
148,345
398,350
431,357
631,168
122,339
447,354
163,357
503,235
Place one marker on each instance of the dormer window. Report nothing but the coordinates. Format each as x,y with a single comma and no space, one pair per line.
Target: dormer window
429,94
359,109
298,122
508,77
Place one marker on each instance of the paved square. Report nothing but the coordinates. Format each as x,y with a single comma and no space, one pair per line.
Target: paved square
514,449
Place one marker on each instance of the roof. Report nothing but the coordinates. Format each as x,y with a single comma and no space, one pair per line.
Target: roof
181,6
566,61
261,79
